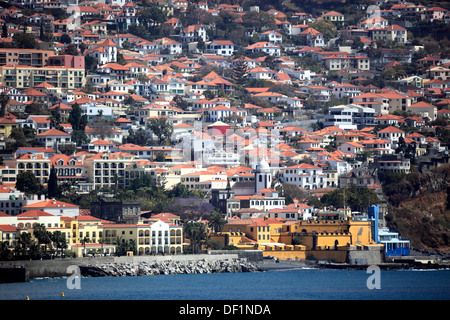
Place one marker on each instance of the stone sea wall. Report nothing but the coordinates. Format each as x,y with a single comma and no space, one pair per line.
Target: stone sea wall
167,267
101,266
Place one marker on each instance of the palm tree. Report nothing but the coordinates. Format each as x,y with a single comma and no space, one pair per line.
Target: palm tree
25,244
216,222
59,239
83,241
3,104
196,233
5,251
102,241
43,236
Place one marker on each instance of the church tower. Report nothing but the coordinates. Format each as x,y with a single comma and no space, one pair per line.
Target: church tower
263,177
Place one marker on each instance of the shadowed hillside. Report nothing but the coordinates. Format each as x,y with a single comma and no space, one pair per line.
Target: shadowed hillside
420,208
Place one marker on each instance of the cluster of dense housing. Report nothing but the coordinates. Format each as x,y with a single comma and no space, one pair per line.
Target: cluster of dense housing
104,93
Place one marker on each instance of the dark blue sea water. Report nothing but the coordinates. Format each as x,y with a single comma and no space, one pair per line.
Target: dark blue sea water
299,284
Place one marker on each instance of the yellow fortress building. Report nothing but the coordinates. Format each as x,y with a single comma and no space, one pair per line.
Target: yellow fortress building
330,240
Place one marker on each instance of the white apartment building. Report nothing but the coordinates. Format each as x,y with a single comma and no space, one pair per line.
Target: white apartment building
350,117
346,90
391,134
341,116
107,169
305,176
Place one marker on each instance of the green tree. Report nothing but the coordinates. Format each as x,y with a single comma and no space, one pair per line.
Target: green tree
239,72
196,233
43,236
59,240
213,244
25,41
18,135
4,99
327,28
90,63
76,118
52,186
358,199
79,137
27,182
139,137
4,31
83,241
161,128
151,18
65,38
180,102
216,222
5,251
25,244
78,122
71,49
258,20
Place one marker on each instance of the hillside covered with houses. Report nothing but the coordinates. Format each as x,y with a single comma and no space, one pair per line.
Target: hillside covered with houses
158,113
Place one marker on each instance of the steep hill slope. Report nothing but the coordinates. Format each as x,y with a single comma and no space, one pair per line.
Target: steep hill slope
423,214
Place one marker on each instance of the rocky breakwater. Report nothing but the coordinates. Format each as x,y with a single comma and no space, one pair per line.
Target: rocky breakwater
168,267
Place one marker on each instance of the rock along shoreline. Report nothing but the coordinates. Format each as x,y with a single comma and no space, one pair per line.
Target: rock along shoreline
168,267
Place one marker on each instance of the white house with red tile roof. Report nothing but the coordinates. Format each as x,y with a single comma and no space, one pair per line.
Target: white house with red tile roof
377,146
388,119
421,139
271,36
392,134
169,45
424,110
346,90
393,33
52,207
39,123
269,48
104,52
261,73
36,216
53,137
223,48
313,37
304,175
351,147
434,13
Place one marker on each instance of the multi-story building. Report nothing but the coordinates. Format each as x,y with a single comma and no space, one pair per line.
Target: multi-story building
305,176
53,138
334,16
148,238
336,63
269,48
64,78
107,169
220,47
350,117
116,211
392,33
24,57
341,116
393,164
36,163
346,90
391,134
